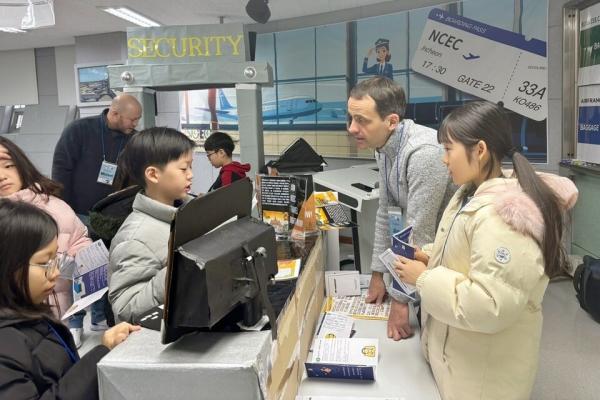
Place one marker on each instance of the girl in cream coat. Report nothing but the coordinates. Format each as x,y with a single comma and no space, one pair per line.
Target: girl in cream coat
483,279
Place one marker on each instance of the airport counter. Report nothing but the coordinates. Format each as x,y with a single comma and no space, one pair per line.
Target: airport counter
250,365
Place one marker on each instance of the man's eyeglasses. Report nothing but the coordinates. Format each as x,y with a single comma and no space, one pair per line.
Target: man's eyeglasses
52,265
210,154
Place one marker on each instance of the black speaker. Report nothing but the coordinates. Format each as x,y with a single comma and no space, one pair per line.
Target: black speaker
258,10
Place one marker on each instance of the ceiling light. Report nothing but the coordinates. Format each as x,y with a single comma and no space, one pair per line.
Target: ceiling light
12,30
258,10
131,16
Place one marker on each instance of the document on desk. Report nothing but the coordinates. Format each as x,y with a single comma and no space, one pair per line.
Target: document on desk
356,307
343,358
335,326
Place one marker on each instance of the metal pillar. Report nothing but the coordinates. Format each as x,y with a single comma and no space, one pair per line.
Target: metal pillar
250,126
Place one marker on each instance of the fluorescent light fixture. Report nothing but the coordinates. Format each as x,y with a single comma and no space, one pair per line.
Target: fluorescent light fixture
12,30
131,16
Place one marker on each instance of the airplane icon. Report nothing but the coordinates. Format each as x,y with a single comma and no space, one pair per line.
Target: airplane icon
289,108
471,56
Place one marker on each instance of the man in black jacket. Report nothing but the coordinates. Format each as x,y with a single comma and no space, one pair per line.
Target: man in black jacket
85,157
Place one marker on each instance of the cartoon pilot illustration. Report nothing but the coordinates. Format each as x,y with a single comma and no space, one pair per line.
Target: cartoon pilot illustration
382,66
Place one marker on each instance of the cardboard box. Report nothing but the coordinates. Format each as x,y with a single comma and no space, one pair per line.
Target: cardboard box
218,365
287,337
290,389
296,328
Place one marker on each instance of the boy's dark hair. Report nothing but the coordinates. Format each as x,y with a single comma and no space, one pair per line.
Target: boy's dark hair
26,229
31,177
220,140
153,147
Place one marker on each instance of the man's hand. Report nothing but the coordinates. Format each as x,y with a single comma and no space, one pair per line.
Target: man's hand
376,292
398,325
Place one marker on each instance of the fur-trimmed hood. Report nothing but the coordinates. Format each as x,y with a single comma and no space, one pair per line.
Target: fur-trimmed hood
517,209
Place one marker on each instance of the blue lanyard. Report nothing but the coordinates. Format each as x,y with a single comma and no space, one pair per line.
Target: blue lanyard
387,189
102,140
74,357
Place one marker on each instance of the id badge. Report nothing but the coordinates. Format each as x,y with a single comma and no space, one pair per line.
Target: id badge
107,173
395,220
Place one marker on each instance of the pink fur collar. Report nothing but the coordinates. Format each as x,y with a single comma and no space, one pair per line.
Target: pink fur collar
518,210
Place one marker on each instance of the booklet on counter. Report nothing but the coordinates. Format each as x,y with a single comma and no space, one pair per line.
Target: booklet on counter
343,359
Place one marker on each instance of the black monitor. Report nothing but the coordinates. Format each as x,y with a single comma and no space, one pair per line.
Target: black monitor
215,269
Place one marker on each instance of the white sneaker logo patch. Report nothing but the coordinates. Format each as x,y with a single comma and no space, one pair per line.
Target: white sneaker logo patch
502,255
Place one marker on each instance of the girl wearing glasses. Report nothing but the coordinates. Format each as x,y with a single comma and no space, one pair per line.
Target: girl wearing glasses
20,180
38,358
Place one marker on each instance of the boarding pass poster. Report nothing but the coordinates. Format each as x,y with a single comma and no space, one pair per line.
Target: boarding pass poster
588,127
488,62
589,45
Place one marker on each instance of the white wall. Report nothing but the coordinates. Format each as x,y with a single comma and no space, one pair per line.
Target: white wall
42,123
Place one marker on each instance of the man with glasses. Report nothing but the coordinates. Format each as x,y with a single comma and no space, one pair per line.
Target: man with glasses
412,178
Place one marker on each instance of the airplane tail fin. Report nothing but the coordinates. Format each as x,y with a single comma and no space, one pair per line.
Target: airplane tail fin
223,102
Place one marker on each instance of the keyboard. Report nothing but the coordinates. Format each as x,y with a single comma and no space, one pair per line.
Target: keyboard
337,215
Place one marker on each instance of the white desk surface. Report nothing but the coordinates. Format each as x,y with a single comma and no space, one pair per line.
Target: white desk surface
341,180
402,371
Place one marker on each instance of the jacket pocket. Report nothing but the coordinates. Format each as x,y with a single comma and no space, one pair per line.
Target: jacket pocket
445,334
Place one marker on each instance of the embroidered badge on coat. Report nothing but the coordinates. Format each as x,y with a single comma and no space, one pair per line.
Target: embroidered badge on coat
502,255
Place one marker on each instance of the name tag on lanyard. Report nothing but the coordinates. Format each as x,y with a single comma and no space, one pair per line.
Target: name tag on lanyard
107,173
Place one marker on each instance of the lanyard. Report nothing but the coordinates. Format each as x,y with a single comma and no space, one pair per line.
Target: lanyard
102,140
74,357
385,174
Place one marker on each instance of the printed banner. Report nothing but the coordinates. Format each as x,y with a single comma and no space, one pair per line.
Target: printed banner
485,61
588,129
589,45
